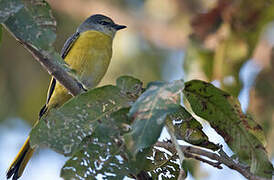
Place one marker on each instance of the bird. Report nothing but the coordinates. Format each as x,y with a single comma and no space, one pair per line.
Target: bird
88,53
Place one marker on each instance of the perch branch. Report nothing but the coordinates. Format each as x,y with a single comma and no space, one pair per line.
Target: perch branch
56,70
53,67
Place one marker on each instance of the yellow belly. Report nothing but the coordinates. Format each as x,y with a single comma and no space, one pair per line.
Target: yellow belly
89,57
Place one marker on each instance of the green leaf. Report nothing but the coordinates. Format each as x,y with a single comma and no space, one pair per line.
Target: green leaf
149,113
242,134
187,128
8,8
130,86
64,129
33,23
104,153
101,153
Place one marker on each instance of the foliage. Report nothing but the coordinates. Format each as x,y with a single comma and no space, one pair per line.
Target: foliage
243,135
187,128
101,153
34,24
225,37
8,8
111,131
149,113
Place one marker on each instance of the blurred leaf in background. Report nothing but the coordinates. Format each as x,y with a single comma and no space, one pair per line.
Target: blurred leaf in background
228,32
262,102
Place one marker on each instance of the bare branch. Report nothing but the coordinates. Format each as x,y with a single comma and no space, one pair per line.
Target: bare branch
221,158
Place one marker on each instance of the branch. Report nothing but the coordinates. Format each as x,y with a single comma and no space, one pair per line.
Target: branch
221,158
214,164
54,68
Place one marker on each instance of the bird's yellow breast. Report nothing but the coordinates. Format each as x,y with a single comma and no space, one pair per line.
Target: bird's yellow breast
89,57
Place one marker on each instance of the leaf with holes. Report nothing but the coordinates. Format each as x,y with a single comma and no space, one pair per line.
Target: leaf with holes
101,153
242,134
64,128
149,113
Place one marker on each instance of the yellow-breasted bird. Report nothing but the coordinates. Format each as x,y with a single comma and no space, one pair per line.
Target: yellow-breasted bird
88,52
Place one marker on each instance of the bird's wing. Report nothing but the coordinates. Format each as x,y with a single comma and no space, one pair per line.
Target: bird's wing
66,48
68,44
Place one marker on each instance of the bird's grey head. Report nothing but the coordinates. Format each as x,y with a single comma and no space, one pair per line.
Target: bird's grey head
100,23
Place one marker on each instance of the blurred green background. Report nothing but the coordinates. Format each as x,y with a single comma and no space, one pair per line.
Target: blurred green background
225,42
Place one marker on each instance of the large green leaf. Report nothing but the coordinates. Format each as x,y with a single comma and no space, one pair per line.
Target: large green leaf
8,8
101,153
243,135
104,154
187,128
149,113
64,129
33,23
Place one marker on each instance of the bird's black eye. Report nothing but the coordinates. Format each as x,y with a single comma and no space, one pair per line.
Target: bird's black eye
104,23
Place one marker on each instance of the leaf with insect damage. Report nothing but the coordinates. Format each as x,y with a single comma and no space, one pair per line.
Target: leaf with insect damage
102,152
242,134
149,113
63,129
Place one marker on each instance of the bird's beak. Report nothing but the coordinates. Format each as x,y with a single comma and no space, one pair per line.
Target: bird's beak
118,27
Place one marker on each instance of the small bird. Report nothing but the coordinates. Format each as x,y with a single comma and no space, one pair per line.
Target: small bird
87,52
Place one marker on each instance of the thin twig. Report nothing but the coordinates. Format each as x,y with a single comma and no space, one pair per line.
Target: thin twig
222,158
214,164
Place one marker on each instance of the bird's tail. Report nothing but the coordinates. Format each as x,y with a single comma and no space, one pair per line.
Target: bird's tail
19,163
